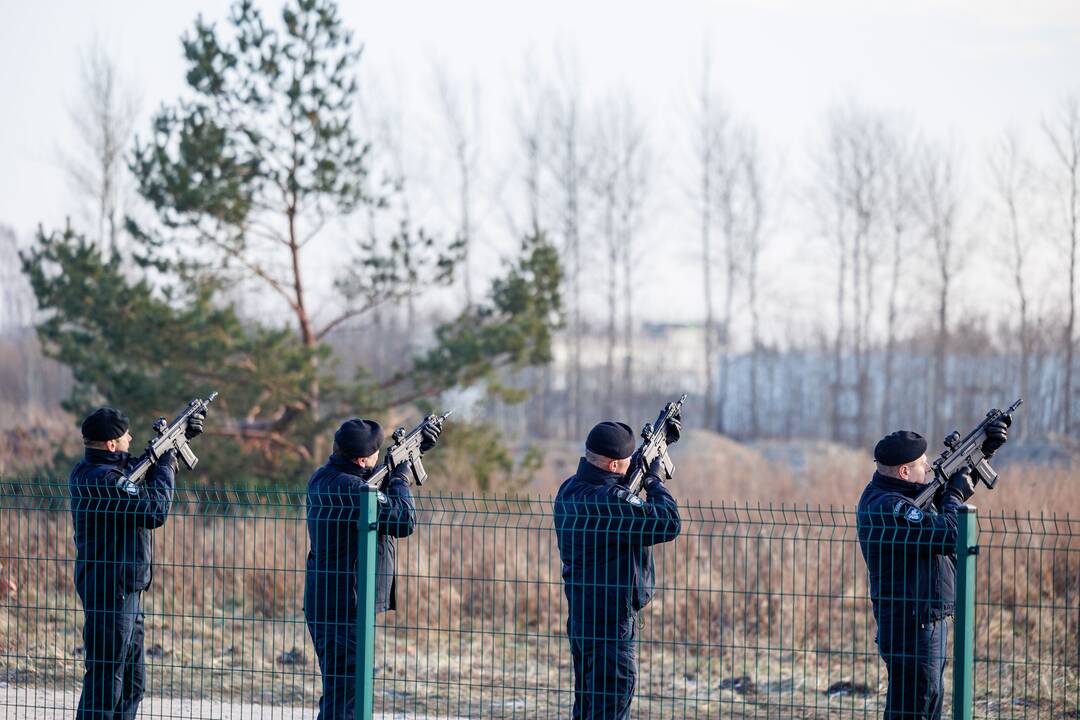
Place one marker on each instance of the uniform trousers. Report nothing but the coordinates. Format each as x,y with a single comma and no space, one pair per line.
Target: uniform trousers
336,646
115,678
605,669
914,654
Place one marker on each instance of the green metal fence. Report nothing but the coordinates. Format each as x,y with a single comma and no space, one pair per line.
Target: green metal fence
760,612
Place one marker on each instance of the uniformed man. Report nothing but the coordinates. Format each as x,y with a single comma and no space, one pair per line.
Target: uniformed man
605,534
113,550
334,513
909,555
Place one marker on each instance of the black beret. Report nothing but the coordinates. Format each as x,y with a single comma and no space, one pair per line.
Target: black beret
899,448
358,438
614,440
104,424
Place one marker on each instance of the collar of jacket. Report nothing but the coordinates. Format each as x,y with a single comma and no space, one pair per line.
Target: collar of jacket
595,476
96,456
345,465
897,485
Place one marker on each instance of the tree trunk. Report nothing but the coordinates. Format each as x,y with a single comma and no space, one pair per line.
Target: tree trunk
610,400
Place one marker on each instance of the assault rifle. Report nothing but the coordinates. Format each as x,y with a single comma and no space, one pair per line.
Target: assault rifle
654,445
406,447
968,453
170,436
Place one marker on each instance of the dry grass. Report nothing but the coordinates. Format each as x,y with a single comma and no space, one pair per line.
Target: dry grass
773,594
30,435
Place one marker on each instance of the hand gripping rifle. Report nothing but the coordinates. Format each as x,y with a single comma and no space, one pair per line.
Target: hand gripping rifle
654,445
170,436
406,447
965,453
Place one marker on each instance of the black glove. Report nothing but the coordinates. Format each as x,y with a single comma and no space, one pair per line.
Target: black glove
960,485
194,425
656,469
997,433
429,435
673,428
402,471
168,459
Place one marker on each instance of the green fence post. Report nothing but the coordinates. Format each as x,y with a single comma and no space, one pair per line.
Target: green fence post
964,628
365,599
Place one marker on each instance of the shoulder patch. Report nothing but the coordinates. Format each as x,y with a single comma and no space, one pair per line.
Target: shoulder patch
908,511
624,494
124,484
383,500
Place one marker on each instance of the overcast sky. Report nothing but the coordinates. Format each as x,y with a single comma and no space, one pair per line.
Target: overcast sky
965,70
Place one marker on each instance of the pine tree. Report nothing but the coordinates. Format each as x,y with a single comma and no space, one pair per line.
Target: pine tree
243,172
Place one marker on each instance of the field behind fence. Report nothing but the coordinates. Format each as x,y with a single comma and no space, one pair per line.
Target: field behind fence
760,611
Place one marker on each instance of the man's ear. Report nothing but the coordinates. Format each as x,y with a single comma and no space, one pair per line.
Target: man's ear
904,471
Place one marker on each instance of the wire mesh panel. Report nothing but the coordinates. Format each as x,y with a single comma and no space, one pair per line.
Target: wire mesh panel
224,626
1027,613
478,630
758,612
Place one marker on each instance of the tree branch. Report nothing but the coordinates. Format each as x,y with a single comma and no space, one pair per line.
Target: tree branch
268,436
346,316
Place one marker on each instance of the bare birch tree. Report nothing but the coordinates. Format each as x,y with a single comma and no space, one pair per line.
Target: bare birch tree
849,202
829,197
464,130
618,184
1063,133
567,165
709,128
603,185
388,127
103,116
752,242
1011,177
530,120
635,172
867,162
726,198
938,193
531,129
898,206
25,379
16,297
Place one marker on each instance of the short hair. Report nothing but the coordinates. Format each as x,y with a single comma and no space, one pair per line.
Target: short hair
892,471
600,461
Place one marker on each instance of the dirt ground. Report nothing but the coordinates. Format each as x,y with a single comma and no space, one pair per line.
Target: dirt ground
43,704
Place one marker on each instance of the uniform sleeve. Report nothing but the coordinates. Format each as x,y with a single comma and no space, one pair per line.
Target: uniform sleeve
397,516
148,508
156,496
649,521
897,522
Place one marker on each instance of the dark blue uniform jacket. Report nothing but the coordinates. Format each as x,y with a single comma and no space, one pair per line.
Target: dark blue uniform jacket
908,552
334,513
604,536
113,547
